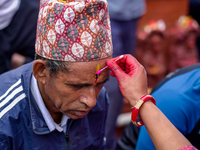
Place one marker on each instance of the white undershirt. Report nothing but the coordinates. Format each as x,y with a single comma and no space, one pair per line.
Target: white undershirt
45,113
8,8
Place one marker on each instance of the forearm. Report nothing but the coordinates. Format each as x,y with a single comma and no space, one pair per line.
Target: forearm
160,129
133,85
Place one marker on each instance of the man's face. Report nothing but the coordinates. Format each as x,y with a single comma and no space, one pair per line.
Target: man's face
75,92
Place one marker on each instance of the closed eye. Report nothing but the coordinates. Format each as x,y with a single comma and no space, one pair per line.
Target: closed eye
84,85
79,85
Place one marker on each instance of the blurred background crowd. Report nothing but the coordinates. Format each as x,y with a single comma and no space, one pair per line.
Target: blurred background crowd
162,34
162,51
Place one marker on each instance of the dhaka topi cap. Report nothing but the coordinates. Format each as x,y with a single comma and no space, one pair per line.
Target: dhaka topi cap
73,30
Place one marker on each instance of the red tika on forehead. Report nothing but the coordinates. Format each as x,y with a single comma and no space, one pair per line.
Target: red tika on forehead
74,30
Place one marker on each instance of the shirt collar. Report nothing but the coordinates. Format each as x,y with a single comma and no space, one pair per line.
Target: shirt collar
45,113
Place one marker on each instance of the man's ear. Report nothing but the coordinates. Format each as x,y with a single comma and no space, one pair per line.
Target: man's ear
40,71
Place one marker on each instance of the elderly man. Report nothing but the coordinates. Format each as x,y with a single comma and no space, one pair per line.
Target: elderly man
56,102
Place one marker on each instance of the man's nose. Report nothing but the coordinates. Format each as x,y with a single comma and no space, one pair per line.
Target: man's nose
89,97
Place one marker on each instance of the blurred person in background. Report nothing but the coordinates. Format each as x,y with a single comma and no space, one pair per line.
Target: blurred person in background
124,16
178,98
18,20
183,50
153,56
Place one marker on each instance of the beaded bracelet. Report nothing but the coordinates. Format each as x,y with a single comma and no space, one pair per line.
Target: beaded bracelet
135,116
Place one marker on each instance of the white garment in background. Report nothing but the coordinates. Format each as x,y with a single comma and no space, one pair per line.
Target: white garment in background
8,8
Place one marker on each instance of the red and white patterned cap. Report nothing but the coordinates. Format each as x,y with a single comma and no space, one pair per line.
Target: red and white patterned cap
73,30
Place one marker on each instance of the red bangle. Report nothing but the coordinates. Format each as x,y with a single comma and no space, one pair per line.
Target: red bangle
135,115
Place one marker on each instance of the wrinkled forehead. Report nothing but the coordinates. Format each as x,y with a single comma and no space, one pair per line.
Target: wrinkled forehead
85,71
74,30
91,66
